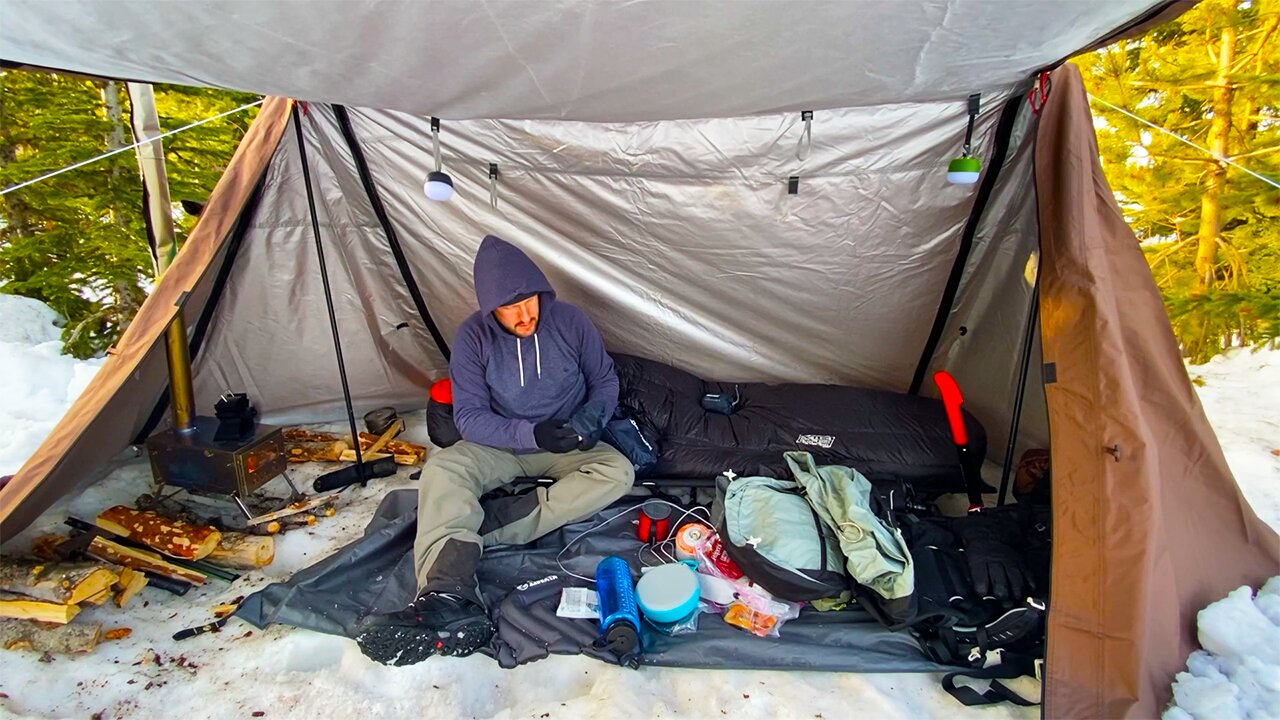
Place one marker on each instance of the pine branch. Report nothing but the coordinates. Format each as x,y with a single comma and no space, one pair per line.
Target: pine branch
84,324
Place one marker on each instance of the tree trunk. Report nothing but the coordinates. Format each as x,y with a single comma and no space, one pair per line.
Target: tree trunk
1219,143
115,139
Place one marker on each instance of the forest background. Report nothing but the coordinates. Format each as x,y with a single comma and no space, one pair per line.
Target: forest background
1187,117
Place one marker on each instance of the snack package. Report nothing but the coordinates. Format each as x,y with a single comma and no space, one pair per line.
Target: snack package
752,608
760,624
714,560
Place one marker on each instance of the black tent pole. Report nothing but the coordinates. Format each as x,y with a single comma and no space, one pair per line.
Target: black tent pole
1028,335
328,297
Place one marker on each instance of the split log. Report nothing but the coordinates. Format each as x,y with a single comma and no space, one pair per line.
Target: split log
41,637
114,552
131,583
316,451
23,607
302,435
395,447
109,551
66,583
45,547
243,551
100,597
295,508
171,537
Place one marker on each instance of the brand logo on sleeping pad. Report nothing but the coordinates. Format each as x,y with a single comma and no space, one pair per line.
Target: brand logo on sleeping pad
535,583
822,441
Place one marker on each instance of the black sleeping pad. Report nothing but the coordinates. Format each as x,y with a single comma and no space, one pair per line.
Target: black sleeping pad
885,435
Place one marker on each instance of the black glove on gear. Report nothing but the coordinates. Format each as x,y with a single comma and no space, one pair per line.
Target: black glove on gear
588,422
556,436
990,540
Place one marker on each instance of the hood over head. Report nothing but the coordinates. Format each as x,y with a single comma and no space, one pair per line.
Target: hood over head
504,274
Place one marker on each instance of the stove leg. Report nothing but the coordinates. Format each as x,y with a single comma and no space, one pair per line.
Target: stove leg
243,508
296,495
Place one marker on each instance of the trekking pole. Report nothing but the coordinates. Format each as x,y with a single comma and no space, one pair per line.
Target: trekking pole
1028,336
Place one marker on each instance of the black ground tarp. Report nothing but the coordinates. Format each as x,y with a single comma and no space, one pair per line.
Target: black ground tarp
375,573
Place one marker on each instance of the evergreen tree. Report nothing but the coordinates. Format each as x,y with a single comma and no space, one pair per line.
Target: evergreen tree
78,241
1211,231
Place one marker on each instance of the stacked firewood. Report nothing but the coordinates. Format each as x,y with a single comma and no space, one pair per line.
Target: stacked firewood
122,552
312,446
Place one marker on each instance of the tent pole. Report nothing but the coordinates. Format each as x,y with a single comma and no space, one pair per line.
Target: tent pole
360,472
146,126
1028,337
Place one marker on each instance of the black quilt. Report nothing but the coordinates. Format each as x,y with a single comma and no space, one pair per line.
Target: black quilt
885,435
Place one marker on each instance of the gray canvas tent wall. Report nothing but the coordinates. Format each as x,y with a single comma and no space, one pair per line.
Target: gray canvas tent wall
643,151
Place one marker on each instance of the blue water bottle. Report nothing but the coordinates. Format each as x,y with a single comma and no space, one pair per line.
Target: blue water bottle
619,612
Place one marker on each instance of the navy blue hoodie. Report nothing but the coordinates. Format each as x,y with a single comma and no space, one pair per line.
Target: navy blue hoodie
502,384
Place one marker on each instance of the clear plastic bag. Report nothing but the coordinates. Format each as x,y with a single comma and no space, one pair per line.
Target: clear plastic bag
685,625
753,608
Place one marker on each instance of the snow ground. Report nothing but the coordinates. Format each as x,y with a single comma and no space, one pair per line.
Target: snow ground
37,382
288,673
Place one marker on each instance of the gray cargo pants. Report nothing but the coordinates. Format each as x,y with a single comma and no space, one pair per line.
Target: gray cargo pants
452,525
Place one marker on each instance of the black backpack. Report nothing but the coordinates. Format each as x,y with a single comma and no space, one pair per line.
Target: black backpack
952,625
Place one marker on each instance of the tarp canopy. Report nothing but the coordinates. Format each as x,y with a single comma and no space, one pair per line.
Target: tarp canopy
644,151
592,60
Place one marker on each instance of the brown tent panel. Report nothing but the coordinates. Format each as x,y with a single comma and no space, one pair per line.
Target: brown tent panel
104,419
1149,525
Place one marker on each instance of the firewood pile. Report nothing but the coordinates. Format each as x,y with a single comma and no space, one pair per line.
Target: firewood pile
311,446
110,561
163,545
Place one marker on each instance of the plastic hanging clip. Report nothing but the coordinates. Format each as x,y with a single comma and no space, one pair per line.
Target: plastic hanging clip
493,184
806,138
975,105
435,141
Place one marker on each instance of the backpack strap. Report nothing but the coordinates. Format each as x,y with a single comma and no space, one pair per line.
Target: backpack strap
1012,665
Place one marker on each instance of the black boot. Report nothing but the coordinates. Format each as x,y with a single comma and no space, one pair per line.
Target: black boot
435,624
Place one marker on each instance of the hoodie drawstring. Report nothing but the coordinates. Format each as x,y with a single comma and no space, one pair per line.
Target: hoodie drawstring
537,357
537,354
520,361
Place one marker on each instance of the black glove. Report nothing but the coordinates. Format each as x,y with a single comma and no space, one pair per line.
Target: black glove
556,436
588,423
990,541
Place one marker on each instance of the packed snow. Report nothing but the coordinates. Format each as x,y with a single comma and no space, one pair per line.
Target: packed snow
287,673
37,382
1237,674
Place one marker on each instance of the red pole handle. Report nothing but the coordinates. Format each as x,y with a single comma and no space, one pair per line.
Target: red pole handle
952,400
